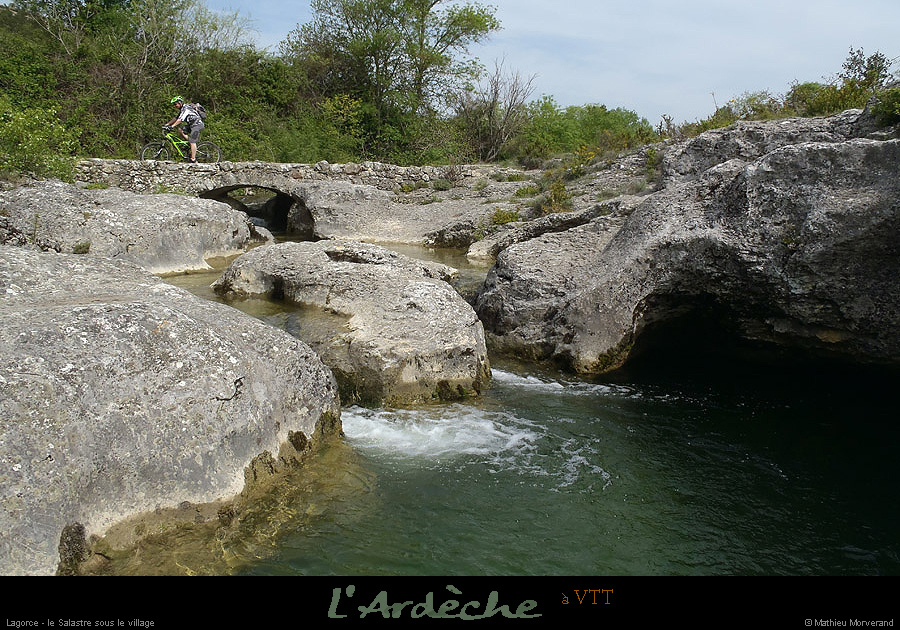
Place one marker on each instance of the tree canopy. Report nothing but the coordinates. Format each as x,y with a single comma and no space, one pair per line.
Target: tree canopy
398,58
389,80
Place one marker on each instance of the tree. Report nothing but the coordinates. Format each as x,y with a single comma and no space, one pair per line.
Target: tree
860,79
433,37
68,21
493,112
396,56
865,74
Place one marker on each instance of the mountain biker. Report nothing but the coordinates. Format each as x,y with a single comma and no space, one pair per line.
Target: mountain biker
193,124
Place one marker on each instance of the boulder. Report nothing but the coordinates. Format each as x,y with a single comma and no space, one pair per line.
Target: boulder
120,394
406,336
162,233
791,244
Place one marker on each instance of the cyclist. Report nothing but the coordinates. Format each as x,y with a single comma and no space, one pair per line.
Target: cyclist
193,124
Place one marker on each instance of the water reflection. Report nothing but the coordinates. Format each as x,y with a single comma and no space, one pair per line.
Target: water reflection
331,486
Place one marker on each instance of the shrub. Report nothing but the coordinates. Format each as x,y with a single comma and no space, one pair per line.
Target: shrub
887,107
654,165
589,129
442,184
555,199
531,190
33,140
501,216
756,106
408,187
499,176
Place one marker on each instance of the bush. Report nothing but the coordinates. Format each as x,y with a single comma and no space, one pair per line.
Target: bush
32,140
501,216
887,107
528,191
555,199
589,129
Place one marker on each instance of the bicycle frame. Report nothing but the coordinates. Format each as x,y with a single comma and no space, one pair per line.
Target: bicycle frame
177,148
178,144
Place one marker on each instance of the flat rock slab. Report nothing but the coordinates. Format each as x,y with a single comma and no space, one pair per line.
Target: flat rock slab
163,233
408,337
120,394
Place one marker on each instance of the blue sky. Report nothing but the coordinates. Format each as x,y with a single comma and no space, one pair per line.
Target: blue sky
655,57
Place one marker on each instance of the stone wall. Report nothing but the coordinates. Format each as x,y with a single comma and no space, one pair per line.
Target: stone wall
154,177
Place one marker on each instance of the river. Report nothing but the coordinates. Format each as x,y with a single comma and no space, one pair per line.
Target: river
708,469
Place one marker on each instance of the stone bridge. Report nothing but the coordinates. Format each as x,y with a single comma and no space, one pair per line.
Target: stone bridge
301,191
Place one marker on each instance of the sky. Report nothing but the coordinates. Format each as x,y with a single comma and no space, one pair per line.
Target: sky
654,57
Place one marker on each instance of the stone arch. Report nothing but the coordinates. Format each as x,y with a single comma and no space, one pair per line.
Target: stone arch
284,212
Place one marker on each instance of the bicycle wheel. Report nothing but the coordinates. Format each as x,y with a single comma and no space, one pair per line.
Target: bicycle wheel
154,151
208,152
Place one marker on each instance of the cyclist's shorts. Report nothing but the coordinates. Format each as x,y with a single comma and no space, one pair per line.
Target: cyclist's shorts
194,132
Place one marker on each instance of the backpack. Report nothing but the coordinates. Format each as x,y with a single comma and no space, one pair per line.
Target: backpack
201,111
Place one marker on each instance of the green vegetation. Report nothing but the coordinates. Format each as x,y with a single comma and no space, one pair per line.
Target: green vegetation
589,131
500,176
34,141
531,190
556,198
861,78
887,109
442,184
387,80
502,217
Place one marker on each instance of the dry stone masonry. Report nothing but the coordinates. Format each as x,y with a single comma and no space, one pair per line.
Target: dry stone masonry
151,176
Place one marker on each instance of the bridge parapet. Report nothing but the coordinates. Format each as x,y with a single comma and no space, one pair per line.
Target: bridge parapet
145,176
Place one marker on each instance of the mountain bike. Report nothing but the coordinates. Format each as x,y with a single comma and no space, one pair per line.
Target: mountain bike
176,147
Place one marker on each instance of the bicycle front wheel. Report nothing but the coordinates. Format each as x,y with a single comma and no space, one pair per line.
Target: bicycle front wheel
208,152
154,151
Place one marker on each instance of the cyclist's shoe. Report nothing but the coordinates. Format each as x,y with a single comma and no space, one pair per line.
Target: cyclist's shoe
192,161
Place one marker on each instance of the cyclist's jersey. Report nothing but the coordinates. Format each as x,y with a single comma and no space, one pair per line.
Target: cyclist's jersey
189,115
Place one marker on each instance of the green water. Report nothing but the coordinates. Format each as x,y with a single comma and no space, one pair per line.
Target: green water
707,471
548,476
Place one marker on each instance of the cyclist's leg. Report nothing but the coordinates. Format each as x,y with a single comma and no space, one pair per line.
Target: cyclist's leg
194,138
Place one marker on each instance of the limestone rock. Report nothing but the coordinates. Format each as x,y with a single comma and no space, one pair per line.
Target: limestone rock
120,393
369,201
488,248
795,243
407,335
162,233
750,140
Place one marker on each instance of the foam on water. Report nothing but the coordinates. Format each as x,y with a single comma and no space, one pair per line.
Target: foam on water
435,432
502,378
459,434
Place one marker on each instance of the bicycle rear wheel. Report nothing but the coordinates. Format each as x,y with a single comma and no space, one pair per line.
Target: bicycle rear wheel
154,151
208,152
